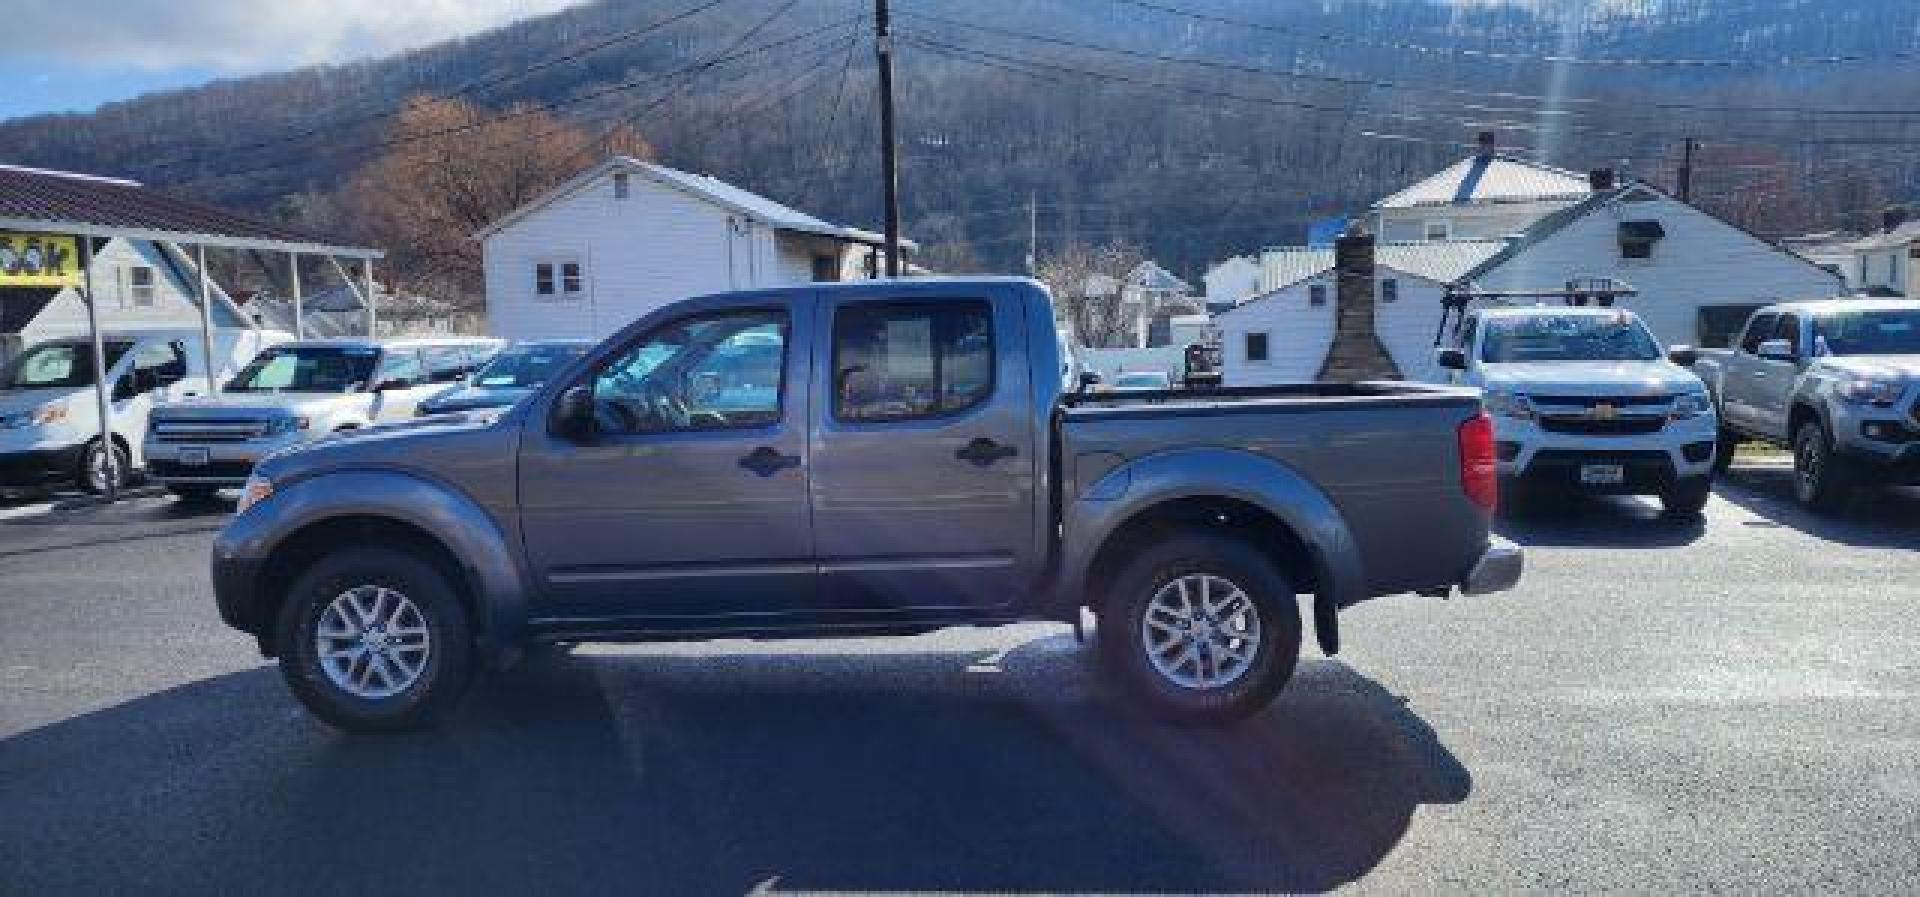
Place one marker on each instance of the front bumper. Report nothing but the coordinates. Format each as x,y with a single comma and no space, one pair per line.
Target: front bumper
227,463
1498,569
31,467
1651,462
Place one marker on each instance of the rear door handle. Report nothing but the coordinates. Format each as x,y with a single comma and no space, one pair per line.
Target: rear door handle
983,451
767,461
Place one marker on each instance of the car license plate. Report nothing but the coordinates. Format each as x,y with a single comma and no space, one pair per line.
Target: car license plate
1602,474
195,455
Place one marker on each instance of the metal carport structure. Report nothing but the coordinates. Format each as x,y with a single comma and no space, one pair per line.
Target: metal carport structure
91,209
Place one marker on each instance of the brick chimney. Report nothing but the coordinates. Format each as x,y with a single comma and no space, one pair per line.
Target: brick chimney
1356,353
1488,142
1600,179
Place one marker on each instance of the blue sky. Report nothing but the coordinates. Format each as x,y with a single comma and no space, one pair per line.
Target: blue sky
73,55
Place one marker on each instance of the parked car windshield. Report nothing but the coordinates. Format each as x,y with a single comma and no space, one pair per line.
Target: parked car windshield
1885,332
307,369
1567,338
526,366
54,365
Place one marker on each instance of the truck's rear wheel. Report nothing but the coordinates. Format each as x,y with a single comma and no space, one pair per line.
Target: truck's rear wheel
1821,480
375,639
1204,627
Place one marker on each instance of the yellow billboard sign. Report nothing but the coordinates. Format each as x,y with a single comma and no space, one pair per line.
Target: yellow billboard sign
39,260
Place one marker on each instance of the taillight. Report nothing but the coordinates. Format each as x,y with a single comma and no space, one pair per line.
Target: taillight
1479,475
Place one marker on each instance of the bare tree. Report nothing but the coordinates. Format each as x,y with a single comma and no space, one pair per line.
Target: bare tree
1089,289
453,169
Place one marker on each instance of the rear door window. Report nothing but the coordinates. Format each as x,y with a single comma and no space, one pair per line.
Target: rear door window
897,361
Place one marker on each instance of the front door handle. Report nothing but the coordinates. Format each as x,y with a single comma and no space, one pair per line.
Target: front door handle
983,451
767,461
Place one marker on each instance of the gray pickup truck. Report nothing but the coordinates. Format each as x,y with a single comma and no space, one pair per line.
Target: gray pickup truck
877,458
1837,381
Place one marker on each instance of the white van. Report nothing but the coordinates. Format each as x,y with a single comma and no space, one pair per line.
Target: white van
49,415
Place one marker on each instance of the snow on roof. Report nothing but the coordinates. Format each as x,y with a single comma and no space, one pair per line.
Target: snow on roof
1491,179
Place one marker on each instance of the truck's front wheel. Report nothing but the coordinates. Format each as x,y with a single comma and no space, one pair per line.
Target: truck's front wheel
375,639
1204,627
1821,479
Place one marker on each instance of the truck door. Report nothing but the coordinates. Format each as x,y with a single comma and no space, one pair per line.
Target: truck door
689,498
1743,373
1773,380
924,455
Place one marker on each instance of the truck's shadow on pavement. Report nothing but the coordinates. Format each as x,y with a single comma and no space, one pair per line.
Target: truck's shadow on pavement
1877,517
1574,520
681,773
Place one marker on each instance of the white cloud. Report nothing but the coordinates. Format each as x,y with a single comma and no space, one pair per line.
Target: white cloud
241,35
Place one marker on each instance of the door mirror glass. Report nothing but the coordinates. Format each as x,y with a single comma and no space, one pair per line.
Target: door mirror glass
1776,350
572,416
1683,356
1451,359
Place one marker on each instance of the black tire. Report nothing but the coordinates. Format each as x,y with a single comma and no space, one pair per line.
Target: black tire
1821,480
194,495
1123,611
444,677
87,475
1725,443
1687,498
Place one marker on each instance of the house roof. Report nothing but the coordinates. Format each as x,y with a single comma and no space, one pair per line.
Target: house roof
712,189
34,199
1491,179
1441,261
1893,239
1150,275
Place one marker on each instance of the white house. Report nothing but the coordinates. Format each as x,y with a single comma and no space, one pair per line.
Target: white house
626,237
1887,263
1696,276
1486,196
1832,250
1284,334
1232,282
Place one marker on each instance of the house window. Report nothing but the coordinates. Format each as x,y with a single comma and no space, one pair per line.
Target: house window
1317,294
139,285
826,268
1257,346
1439,230
559,279
1389,290
1637,238
621,187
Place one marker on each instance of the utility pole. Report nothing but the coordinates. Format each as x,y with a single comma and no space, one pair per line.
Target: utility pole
889,161
1686,171
1033,233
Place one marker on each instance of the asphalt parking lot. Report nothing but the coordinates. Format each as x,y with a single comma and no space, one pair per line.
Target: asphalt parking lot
1731,704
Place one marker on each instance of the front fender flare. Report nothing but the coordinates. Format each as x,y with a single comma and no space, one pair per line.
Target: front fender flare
1138,486
485,554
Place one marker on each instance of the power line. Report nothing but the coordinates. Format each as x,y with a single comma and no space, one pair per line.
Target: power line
1513,56
486,121
1410,88
463,90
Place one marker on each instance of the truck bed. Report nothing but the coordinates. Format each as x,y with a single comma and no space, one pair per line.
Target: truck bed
1386,454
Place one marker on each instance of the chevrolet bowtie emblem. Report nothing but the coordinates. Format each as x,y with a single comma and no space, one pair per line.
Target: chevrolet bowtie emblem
1604,411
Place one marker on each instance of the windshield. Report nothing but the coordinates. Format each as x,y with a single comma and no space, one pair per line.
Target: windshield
51,365
1567,338
526,366
307,369
1887,332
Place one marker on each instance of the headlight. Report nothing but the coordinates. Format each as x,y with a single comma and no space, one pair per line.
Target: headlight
281,426
1508,404
1882,391
38,417
1689,406
254,492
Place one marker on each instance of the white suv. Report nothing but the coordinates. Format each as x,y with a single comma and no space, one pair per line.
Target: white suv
1584,398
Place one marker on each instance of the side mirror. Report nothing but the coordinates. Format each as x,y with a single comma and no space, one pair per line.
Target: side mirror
572,416
1451,359
1683,356
1776,350
1089,380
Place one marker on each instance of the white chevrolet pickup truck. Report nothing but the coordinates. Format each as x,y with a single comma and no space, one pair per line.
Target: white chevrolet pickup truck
1585,398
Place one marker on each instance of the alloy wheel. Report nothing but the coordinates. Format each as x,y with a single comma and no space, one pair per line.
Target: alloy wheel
1201,631
372,642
